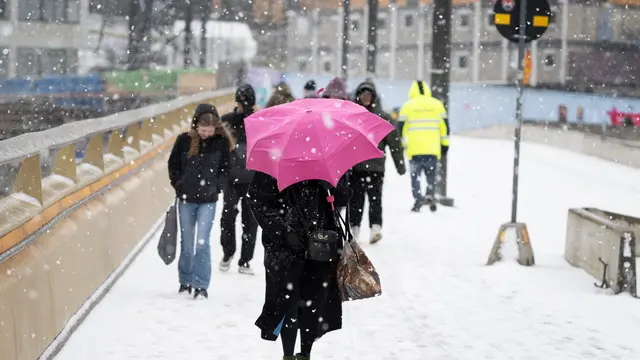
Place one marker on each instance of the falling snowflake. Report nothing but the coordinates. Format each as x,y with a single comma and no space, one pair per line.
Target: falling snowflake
327,121
275,154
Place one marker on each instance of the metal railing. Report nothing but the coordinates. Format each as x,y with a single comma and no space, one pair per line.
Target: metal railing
50,166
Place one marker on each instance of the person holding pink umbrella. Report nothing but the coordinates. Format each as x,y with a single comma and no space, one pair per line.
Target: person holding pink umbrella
301,152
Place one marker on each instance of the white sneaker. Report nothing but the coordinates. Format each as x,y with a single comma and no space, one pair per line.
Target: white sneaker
355,231
245,269
225,265
376,233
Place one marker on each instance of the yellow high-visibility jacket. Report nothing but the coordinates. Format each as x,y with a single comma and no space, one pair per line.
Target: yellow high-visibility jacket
425,129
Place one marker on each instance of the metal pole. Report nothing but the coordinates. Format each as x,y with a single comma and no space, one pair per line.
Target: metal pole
519,87
440,75
346,27
372,37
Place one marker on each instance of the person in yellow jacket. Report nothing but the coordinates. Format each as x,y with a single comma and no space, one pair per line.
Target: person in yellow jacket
425,138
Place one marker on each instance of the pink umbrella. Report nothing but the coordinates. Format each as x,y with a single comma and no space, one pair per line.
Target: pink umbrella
312,139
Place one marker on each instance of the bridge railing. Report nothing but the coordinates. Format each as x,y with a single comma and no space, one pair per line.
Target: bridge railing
38,170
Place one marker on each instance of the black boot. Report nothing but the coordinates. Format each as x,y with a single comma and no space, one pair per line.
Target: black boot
417,205
185,288
200,293
430,201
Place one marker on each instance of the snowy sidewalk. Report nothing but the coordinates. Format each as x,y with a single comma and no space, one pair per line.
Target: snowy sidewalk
439,301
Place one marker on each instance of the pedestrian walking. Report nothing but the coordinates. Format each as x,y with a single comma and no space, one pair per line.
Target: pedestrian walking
198,165
425,136
366,179
236,187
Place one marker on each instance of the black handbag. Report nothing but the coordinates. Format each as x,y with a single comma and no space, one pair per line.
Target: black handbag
321,244
324,245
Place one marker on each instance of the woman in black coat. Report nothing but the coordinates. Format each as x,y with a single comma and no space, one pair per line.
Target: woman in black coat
197,168
300,293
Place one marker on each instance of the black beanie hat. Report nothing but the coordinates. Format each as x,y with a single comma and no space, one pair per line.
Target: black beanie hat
246,96
310,85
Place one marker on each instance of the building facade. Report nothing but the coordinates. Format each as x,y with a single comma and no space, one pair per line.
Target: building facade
587,43
41,37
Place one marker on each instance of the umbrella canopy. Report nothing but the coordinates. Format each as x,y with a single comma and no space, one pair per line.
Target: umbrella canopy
312,139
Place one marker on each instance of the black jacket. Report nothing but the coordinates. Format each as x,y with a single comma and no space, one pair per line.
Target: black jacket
199,178
392,141
238,173
287,269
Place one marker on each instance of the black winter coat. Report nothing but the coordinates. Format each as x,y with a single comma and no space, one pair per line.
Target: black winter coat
199,178
238,173
391,141
278,214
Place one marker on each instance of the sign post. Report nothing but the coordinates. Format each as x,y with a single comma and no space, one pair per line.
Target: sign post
528,67
521,22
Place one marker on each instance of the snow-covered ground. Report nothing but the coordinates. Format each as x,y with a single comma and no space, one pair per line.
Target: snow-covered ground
439,301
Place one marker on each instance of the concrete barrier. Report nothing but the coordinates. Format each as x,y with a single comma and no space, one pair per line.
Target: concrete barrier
63,235
617,150
604,245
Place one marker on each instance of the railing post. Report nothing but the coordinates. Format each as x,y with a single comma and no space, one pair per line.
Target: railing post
146,131
133,136
93,154
29,179
65,162
116,144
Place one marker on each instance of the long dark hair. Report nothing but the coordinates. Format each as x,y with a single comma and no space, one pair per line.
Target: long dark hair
209,119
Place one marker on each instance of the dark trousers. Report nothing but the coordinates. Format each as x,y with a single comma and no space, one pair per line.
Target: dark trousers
427,165
366,184
289,333
233,194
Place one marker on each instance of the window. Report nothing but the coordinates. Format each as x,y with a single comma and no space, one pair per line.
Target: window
36,62
4,11
549,59
28,62
355,25
54,62
461,61
382,23
29,10
327,66
57,11
72,61
408,20
302,66
73,11
53,10
463,18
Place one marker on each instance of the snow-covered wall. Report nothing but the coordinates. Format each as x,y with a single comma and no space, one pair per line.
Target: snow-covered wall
620,151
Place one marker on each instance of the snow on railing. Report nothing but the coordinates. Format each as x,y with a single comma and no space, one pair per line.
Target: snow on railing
29,144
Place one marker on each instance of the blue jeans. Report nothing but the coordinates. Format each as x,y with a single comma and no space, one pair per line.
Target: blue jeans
196,221
418,165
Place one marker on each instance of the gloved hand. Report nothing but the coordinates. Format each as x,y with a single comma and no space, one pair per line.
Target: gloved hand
402,170
444,149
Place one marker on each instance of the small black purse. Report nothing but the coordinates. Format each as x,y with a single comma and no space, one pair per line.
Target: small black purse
321,244
324,245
